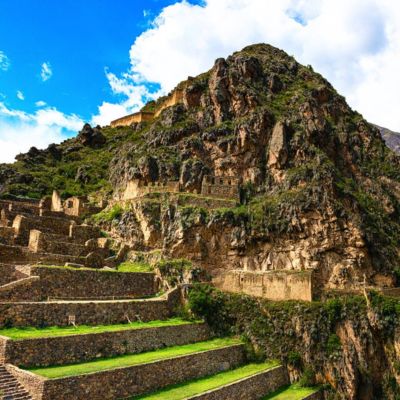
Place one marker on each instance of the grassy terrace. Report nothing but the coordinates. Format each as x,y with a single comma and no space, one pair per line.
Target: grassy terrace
293,392
192,388
30,333
125,267
133,359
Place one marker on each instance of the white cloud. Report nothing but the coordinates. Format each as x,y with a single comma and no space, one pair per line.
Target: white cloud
46,72
19,130
354,43
40,103
20,95
135,91
4,61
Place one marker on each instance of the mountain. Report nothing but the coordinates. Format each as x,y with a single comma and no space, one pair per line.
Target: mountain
319,188
260,173
392,139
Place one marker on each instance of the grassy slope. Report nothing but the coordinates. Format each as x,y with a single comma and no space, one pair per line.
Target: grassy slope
129,266
133,359
30,332
184,390
293,392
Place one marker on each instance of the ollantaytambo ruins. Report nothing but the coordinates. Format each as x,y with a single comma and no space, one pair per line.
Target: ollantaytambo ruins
235,239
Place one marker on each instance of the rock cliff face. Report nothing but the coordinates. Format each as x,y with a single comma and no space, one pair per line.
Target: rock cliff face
319,188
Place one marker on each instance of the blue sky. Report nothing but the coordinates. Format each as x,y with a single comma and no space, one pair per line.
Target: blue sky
63,63
78,38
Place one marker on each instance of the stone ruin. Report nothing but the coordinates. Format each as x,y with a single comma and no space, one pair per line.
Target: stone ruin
142,116
50,231
212,186
220,186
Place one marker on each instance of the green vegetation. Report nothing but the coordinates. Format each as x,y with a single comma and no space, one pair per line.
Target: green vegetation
174,270
192,388
135,266
333,345
278,327
54,331
108,214
293,392
125,267
133,359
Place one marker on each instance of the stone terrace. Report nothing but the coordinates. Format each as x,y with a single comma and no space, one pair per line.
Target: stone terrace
87,331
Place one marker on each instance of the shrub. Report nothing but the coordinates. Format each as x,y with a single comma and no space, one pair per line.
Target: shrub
109,214
333,345
307,378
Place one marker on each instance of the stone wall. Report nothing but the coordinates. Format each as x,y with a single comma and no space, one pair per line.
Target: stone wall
46,243
130,381
133,118
273,285
41,352
83,232
57,313
204,202
253,388
7,234
34,384
63,283
137,188
23,255
175,98
7,274
24,224
222,187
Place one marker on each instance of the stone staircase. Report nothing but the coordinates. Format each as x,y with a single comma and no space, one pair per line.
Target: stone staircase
10,388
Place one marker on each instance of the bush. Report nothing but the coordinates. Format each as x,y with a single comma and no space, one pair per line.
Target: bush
307,378
108,215
333,345
294,359
209,303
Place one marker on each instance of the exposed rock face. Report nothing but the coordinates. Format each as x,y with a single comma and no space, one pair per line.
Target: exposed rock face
89,136
391,138
311,171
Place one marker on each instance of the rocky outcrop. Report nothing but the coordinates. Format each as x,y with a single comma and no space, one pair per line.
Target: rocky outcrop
92,137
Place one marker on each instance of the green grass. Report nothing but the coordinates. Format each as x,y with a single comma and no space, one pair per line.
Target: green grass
293,392
130,266
192,388
31,333
125,267
132,359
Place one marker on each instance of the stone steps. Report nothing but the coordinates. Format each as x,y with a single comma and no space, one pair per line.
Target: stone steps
89,312
45,283
10,388
78,348
249,382
131,380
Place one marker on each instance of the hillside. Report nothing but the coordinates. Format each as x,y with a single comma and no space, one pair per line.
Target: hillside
270,184
319,187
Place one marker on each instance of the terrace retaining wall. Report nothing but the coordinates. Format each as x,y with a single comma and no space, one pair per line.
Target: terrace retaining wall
63,283
58,313
252,388
124,382
42,352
